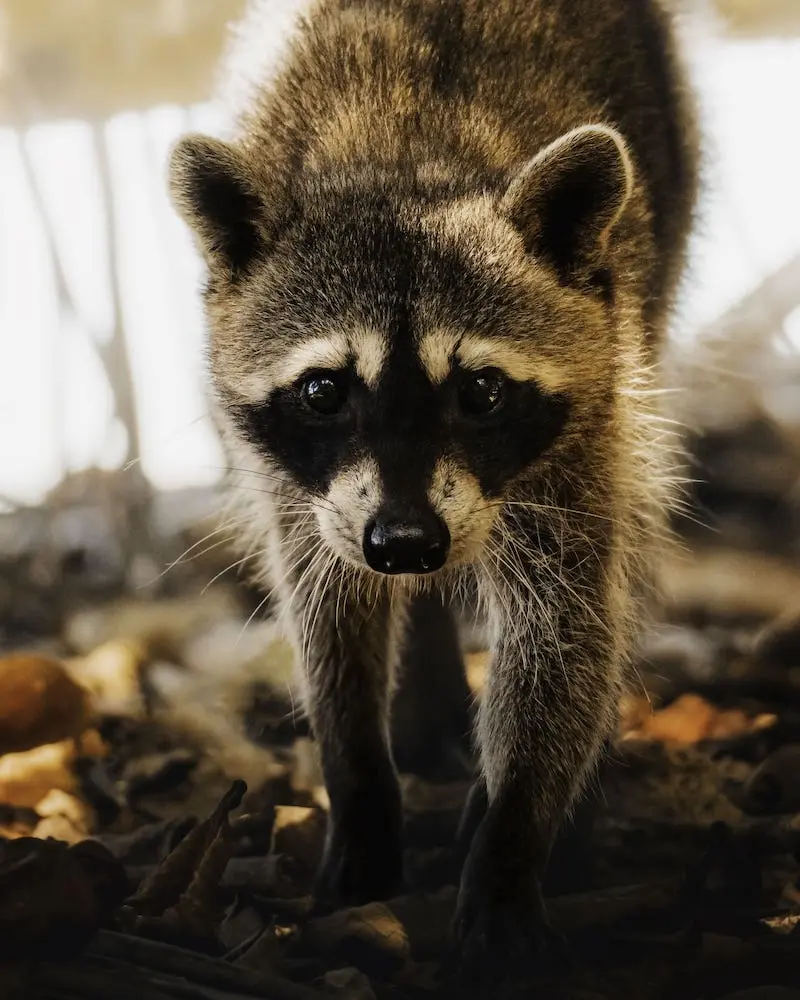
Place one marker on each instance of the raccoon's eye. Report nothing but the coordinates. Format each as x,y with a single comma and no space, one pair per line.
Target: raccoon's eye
324,393
481,392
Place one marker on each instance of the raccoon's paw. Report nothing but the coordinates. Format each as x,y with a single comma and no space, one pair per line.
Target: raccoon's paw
502,944
501,926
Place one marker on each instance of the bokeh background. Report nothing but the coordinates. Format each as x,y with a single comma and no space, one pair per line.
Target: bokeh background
107,456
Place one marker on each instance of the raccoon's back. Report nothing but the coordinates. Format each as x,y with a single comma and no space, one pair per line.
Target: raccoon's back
481,84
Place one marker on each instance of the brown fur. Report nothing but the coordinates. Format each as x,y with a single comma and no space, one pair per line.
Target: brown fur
451,124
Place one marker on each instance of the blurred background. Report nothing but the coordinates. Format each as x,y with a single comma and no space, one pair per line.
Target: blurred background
139,675
108,463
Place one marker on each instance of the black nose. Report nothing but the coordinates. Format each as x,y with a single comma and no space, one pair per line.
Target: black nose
416,542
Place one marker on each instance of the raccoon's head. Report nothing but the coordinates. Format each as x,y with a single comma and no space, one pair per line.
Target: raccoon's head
408,350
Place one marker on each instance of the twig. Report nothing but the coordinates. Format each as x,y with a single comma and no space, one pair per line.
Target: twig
194,967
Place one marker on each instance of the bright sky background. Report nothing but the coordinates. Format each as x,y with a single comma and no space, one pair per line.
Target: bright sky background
55,408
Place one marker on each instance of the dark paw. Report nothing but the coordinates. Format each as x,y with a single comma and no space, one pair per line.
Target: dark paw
502,944
357,874
501,926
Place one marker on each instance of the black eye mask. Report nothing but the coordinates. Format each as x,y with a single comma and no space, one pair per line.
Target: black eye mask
493,425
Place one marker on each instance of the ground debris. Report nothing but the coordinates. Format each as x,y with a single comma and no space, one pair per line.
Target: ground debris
39,703
689,719
179,900
53,897
349,983
181,884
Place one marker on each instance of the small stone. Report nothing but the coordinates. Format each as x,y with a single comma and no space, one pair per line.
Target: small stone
674,650
350,983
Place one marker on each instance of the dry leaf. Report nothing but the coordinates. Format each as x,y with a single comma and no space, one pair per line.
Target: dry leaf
179,900
370,937
53,897
25,778
689,719
64,817
112,673
39,703
633,713
299,833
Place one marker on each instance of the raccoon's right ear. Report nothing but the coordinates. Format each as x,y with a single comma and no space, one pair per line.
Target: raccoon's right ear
211,188
568,198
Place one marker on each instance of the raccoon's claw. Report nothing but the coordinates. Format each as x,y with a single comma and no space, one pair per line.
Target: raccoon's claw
501,944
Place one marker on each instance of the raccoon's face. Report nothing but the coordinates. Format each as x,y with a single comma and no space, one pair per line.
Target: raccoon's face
407,357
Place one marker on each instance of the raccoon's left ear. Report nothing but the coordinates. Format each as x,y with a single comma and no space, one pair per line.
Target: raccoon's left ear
213,190
566,200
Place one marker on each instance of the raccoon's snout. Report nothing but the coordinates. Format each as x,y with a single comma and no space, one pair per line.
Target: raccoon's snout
417,542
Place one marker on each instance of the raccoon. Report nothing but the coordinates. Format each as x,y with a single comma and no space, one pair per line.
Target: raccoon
443,243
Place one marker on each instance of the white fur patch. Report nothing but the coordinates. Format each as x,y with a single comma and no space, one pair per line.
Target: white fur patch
365,348
436,352
456,496
369,349
439,350
254,387
353,498
320,352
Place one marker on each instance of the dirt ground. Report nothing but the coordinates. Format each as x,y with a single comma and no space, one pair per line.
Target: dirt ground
162,812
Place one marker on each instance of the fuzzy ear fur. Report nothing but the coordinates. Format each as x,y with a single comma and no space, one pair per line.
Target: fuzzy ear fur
566,200
211,189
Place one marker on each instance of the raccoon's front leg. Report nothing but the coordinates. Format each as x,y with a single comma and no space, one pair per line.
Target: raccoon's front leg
348,701
432,708
549,704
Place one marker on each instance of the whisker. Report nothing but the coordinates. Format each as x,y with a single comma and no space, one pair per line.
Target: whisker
297,494
287,500
179,559
233,565
257,608
549,508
